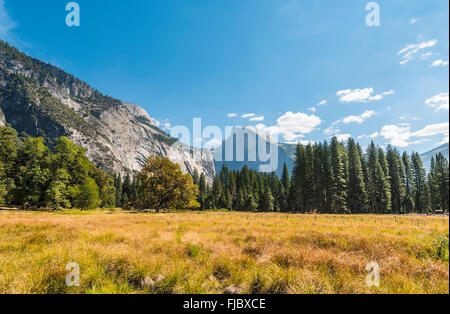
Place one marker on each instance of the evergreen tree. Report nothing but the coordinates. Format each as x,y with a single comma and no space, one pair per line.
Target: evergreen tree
396,179
299,179
356,184
408,200
203,192
119,191
339,203
421,189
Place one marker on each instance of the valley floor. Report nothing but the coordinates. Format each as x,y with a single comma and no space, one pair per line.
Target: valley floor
214,252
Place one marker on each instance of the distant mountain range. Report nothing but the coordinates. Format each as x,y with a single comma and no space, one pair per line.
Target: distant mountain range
286,155
426,157
41,100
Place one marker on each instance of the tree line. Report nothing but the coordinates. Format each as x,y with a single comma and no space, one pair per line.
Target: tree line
327,178
34,176
335,178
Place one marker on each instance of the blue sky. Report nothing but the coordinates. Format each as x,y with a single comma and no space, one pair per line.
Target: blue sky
274,61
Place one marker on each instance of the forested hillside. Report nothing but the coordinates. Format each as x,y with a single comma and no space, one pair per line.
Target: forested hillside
41,100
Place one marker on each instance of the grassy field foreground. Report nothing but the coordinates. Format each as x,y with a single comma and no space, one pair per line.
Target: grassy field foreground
121,252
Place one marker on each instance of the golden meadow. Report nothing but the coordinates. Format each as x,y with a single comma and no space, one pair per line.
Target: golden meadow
221,252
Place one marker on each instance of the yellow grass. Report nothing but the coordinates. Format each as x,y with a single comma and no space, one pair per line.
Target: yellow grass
119,252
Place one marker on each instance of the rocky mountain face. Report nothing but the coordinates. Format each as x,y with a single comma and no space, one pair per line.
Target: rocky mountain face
248,148
41,100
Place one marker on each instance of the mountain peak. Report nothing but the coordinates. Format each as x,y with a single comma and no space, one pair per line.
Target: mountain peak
41,100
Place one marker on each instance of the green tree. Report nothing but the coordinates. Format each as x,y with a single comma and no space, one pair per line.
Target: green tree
340,171
421,189
397,179
86,195
356,184
164,186
57,195
408,200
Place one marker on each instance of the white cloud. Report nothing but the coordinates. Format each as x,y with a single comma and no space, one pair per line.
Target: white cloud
397,136
411,50
248,115
232,115
292,126
407,116
433,129
414,20
426,55
298,122
361,95
322,103
439,102
6,24
400,135
373,135
343,137
358,119
312,109
332,131
258,119
439,63
213,143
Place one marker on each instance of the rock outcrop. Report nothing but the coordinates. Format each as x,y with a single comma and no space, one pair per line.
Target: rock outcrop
41,100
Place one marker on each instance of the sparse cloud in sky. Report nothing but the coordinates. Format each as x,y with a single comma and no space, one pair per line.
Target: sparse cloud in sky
248,115
438,102
370,136
361,95
293,126
401,135
439,63
413,20
408,53
357,119
232,115
322,103
257,119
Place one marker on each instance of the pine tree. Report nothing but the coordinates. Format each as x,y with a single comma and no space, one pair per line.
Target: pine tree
396,181
356,184
442,179
378,184
203,192
119,191
421,189
339,203
408,200
298,179
217,191
196,177
328,178
267,200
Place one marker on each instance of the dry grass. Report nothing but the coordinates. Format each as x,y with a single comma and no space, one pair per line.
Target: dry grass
210,252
